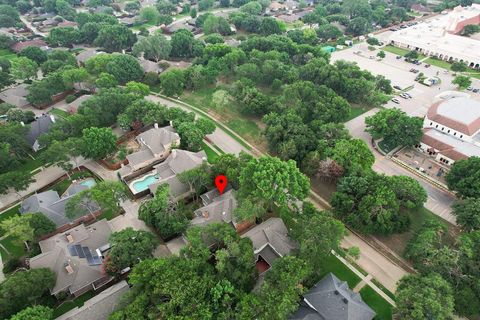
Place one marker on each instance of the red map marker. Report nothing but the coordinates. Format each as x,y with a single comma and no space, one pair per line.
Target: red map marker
221,182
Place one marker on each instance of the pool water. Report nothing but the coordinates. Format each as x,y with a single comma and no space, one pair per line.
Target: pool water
88,183
143,184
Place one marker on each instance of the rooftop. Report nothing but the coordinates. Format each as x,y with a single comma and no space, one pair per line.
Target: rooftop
331,299
220,209
450,146
459,113
72,256
15,96
38,127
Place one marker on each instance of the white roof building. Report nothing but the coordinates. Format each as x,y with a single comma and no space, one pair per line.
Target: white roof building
438,36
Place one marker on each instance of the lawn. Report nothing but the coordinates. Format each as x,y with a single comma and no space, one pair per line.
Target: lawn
31,163
146,25
355,111
211,154
398,242
16,249
69,305
395,50
377,303
7,53
341,271
439,63
59,113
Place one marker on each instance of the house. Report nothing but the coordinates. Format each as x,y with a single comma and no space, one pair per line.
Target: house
75,256
38,127
150,66
39,43
331,299
276,6
128,21
53,206
100,306
270,242
452,129
16,96
166,173
155,145
83,56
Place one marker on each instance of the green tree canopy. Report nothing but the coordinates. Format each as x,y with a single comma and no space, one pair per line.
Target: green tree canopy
37,312
352,155
464,177
467,212
98,142
155,47
462,82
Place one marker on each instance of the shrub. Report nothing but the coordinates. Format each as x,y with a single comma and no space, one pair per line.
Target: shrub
70,98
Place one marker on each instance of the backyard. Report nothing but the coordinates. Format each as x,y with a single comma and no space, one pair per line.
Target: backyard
69,305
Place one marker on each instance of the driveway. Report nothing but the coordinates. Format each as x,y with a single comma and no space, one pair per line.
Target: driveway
219,137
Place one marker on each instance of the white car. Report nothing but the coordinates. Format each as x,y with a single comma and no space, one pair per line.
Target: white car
395,100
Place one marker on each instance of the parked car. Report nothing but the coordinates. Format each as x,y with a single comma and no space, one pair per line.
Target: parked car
407,94
395,100
397,87
371,57
399,57
470,88
403,95
475,90
427,65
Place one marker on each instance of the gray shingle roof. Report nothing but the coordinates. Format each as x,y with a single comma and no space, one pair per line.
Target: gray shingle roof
15,96
219,210
331,299
38,127
150,66
273,233
55,256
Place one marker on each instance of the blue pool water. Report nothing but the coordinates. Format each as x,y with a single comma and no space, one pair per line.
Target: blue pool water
143,184
88,183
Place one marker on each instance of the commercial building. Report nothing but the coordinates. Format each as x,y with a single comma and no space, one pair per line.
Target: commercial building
452,130
438,37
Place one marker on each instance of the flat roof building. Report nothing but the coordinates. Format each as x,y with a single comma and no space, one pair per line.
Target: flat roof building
439,37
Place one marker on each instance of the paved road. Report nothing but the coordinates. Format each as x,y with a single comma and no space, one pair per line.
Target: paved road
439,201
220,138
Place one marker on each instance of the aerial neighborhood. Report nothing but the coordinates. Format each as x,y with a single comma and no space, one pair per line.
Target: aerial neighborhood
239,159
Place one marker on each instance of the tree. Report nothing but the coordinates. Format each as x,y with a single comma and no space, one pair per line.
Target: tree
99,142
129,247
108,195
328,31
464,176
155,47
106,80
318,233
172,82
162,213
215,24
149,14
37,312
269,26
411,55
23,68
204,5
230,166
270,180
358,26
137,88
64,36
252,8
16,180
197,179
409,191
114,38
41,224
124,68
165,7
23,289
458,66
381,54
395,127
352,155
193,13
18,227
467,212
34,53
470,29
184,45
373,41
462,82
424,297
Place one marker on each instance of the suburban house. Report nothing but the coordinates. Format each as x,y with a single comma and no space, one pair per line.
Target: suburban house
83,56
100,306
16,96
150,66
38,127
76,256
218,208
166,173
331,299
155,146
39,43
452,130
53,206
270,242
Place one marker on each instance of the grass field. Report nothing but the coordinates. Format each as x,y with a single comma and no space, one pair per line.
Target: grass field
355,111
341,271
15,248
395,50
30,163
439,63
382,308
69,305
211,154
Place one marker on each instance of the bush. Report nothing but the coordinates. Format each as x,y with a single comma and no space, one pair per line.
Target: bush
151,79
11,265
70,98
373,41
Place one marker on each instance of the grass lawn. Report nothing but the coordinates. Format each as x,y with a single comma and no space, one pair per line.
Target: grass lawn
377,303
16,249
10,212
7,53
59,113
341,271
146,25
355,111
398,242
395,50
211,154
31,164
69,305
439,63
107,214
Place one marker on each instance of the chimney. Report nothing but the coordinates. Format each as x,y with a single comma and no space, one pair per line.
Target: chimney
69,238
52,117
155,125
336,292
68,268
345,300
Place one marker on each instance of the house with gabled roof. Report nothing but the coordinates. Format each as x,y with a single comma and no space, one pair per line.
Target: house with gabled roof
270,242
76,257
40,126
332,299
16,96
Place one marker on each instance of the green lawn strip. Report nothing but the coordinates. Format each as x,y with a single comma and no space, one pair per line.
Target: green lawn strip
12,211
356,111
382,308
341,271
16,249
245,128
69,305
212,156
107,214
395,50
60,113
439,63
146,25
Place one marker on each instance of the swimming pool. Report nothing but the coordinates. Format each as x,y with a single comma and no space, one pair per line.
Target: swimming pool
88,182
140,185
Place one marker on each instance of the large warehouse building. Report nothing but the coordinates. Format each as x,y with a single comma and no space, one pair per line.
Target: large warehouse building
439,36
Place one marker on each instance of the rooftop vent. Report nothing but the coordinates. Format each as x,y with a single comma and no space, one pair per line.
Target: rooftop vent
336,292
345,300
69,268
69,237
